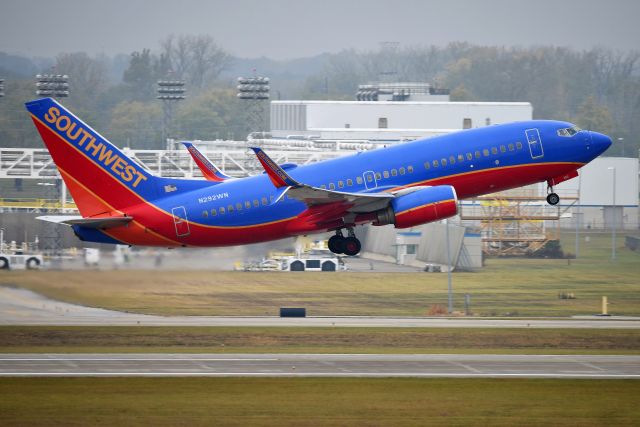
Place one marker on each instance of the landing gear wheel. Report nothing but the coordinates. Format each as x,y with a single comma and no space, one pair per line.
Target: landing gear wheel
336,244
352,246
553,199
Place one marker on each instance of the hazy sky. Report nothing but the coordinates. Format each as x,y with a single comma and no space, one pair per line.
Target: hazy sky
295,28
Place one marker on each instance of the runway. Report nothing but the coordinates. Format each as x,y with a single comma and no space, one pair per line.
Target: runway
23,307
320,365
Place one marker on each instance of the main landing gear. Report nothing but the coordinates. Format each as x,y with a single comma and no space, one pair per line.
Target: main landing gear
552,198
349,245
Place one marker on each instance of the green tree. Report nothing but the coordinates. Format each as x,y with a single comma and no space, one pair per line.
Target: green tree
216,113
136,124
140,77
594,116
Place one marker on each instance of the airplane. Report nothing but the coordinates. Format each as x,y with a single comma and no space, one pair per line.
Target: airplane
406,184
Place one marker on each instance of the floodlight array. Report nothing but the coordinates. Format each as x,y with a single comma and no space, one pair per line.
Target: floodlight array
253,87
171,90
55,85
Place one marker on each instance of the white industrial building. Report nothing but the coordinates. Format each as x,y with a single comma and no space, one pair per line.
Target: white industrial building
389,112
387,121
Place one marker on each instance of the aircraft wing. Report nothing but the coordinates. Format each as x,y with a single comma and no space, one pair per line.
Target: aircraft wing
208,169
107,222
342,202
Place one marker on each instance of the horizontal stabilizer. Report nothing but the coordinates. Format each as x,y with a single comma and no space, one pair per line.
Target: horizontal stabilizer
107,222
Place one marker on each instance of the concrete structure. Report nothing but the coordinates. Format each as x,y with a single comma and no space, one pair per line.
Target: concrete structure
387,121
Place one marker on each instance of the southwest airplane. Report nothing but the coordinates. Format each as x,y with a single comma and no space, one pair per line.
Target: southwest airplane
405,185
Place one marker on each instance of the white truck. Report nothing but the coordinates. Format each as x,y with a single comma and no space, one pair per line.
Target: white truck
20,261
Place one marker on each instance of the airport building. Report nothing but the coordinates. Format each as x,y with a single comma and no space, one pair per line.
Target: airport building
388,113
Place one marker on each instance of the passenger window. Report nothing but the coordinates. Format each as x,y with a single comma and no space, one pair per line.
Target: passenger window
494,150
349,182
222,211
410,169
395,172
401,171
436,163
369,177
324,187
378,176
519,145
469,156
256,203
332,186
466,123
238,206
359,180
230,208
485,152
340,184
452,160
478,155
385,174
427,165
214,212
444,162
205,214
511,148
271,199
503,149
460,158
264,201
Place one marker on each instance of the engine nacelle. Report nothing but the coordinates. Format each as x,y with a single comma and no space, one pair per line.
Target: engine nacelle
420,207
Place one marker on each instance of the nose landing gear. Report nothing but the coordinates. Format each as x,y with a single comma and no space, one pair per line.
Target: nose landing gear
350,245
552,198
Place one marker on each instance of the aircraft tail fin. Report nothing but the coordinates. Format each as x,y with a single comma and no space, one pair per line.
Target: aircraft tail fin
208,169
100,177
276,174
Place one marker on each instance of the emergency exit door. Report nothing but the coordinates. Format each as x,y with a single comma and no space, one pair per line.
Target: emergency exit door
180,221
535,143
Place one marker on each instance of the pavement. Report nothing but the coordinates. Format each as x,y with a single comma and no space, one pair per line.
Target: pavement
322,365
24,307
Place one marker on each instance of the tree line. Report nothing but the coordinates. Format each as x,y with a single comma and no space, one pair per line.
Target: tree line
598,89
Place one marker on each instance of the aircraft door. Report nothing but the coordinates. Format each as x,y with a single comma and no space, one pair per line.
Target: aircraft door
180,221
535,143
370,181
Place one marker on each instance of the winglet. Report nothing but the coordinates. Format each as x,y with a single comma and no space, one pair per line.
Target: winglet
208,169
277,175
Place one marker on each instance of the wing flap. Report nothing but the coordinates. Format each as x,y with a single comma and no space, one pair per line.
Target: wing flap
102,223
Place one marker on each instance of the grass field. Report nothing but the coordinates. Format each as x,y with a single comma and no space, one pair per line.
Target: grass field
150,339
505,287
317,402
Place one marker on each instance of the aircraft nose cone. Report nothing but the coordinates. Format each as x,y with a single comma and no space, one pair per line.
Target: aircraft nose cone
600,142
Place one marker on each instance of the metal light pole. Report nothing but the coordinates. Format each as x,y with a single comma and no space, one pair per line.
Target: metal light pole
169,92
578,216
54,86
254,91
449,286
622,143
613,216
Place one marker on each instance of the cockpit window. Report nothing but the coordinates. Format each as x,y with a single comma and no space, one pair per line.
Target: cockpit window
569,131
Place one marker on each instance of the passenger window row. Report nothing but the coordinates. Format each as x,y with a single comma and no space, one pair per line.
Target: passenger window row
460,158
349,182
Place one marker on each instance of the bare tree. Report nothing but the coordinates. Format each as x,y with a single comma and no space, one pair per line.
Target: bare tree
197,59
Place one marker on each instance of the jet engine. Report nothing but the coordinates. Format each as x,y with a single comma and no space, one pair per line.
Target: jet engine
420,207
